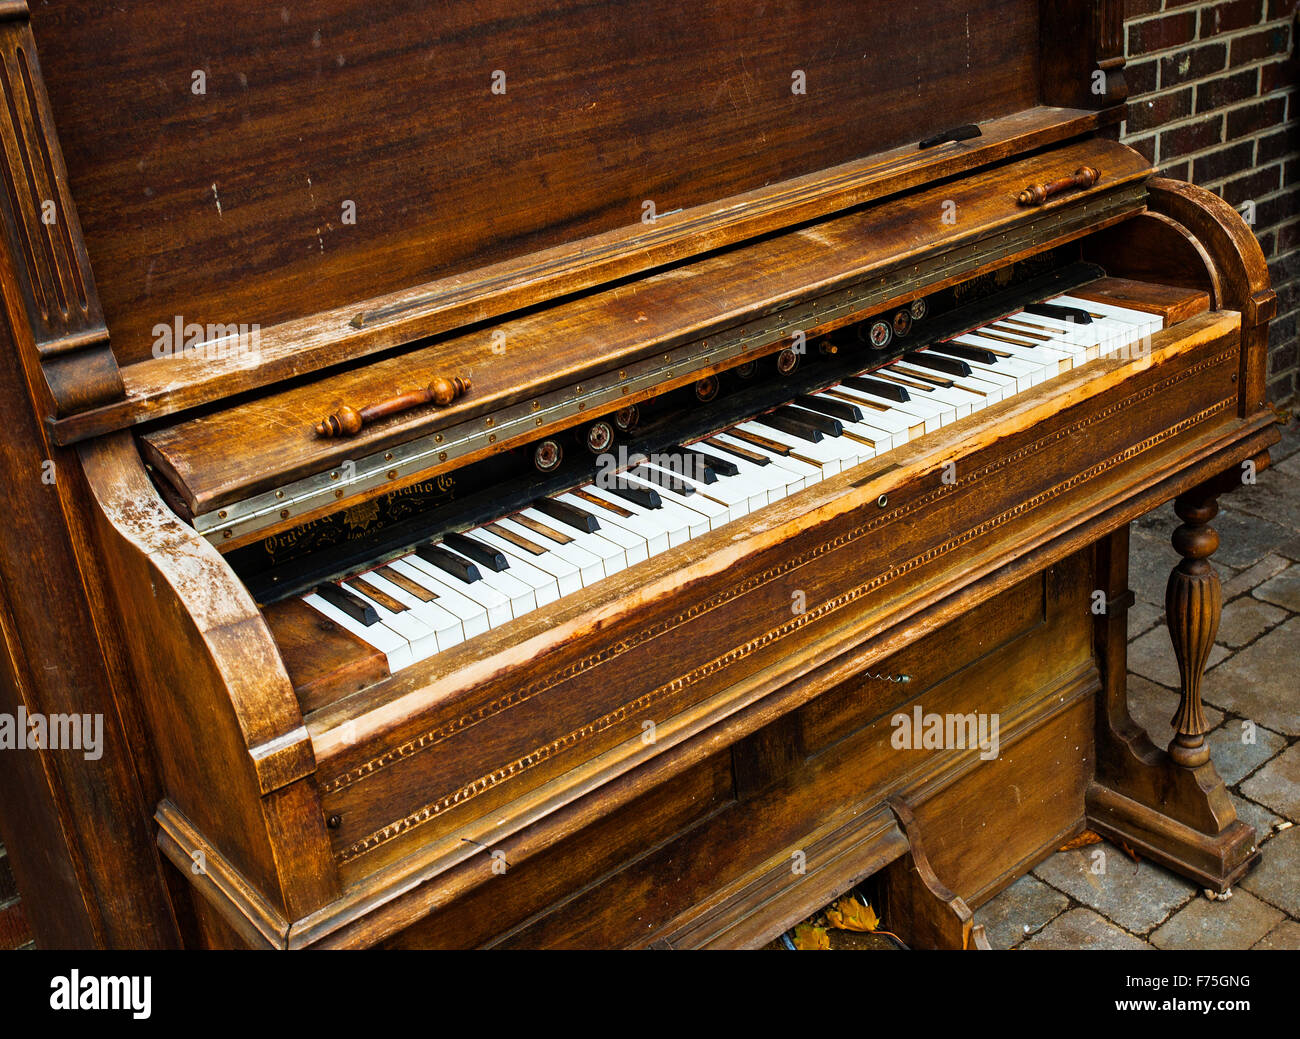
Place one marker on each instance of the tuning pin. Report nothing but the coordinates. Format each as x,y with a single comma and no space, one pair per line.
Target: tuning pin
547,456
599,436
706,389
626,419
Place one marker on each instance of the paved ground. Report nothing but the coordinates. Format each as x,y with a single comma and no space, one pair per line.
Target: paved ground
1253,686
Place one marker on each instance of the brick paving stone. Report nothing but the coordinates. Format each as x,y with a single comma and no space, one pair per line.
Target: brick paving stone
1246,619
1022,909
1285,935
1277,785
1152,706
1290,548
1276,497
1282,590
1255,815
1239,584
1137,897
1151,558
1262,681
1152,656
1143,617
1288,445
1245,539
1274,879
1082,929
1234,759
1238,923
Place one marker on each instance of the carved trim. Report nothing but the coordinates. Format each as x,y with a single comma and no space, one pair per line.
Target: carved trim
543,753
436,735
43,232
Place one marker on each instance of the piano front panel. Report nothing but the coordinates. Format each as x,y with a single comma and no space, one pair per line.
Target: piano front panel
713,626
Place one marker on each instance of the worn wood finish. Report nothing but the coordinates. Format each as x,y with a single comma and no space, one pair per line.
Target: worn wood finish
215,459
1172,302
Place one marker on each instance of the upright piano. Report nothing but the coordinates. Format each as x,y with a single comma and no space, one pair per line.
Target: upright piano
550,474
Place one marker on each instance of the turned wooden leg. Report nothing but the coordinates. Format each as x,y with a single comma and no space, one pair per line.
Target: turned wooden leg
1193,603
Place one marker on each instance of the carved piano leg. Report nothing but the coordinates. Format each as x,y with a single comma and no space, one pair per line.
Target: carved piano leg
1171,807
1193,604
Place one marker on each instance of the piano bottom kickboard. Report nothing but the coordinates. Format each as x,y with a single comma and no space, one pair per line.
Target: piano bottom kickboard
423,767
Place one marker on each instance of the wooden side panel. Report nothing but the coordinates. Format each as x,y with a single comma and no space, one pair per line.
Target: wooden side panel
232,751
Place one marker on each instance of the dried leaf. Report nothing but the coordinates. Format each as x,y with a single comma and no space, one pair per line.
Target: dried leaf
851,915
806,936
1130,852
1082,841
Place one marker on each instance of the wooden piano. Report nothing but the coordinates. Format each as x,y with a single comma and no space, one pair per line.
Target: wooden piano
521,474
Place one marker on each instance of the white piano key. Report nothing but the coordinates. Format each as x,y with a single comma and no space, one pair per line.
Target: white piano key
444,586
634,545
613,558
590,567
826,452
658,525
736,495
424,638
709,514
932,414
522,595
387,641
471,617
1025,375
552,579
797,473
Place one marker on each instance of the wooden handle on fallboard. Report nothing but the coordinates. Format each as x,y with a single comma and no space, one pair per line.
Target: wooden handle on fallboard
1037,194
348,421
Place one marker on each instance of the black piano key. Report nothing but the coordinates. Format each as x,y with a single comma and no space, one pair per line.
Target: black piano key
830,426
449,562
712,463
569,515
877,388
349,602
477,551
1074,314
664,479
774,420
646,497
840,409
947,365
969,353
685,462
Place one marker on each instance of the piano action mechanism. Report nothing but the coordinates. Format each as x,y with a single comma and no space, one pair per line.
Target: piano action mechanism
583,490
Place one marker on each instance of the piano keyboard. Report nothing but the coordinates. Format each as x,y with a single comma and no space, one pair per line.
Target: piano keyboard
441,594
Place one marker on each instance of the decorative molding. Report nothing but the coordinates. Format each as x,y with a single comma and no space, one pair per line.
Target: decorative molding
44,235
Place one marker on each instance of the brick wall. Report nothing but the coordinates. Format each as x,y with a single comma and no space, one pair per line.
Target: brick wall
1212,91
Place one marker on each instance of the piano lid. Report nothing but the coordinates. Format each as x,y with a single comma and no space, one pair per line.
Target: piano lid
353,177
580,357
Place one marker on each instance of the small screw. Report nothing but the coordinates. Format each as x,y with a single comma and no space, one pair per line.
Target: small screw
334,822
883,500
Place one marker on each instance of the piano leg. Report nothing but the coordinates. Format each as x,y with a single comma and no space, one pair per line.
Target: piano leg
1193,604
1169,806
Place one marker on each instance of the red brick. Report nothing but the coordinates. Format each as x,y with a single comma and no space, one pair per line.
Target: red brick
1235,14
1141,78
1193,63
1145,146
1224,163
1194,137
1262,115
1252,185
1277,75
1158,34
1288,237
1134,8
1260,45
1290,172
1149,112
1227,90
1274,146
1280,8
1178,171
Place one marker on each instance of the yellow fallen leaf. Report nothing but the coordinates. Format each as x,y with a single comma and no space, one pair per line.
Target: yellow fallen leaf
806,936
851,915
1082,841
